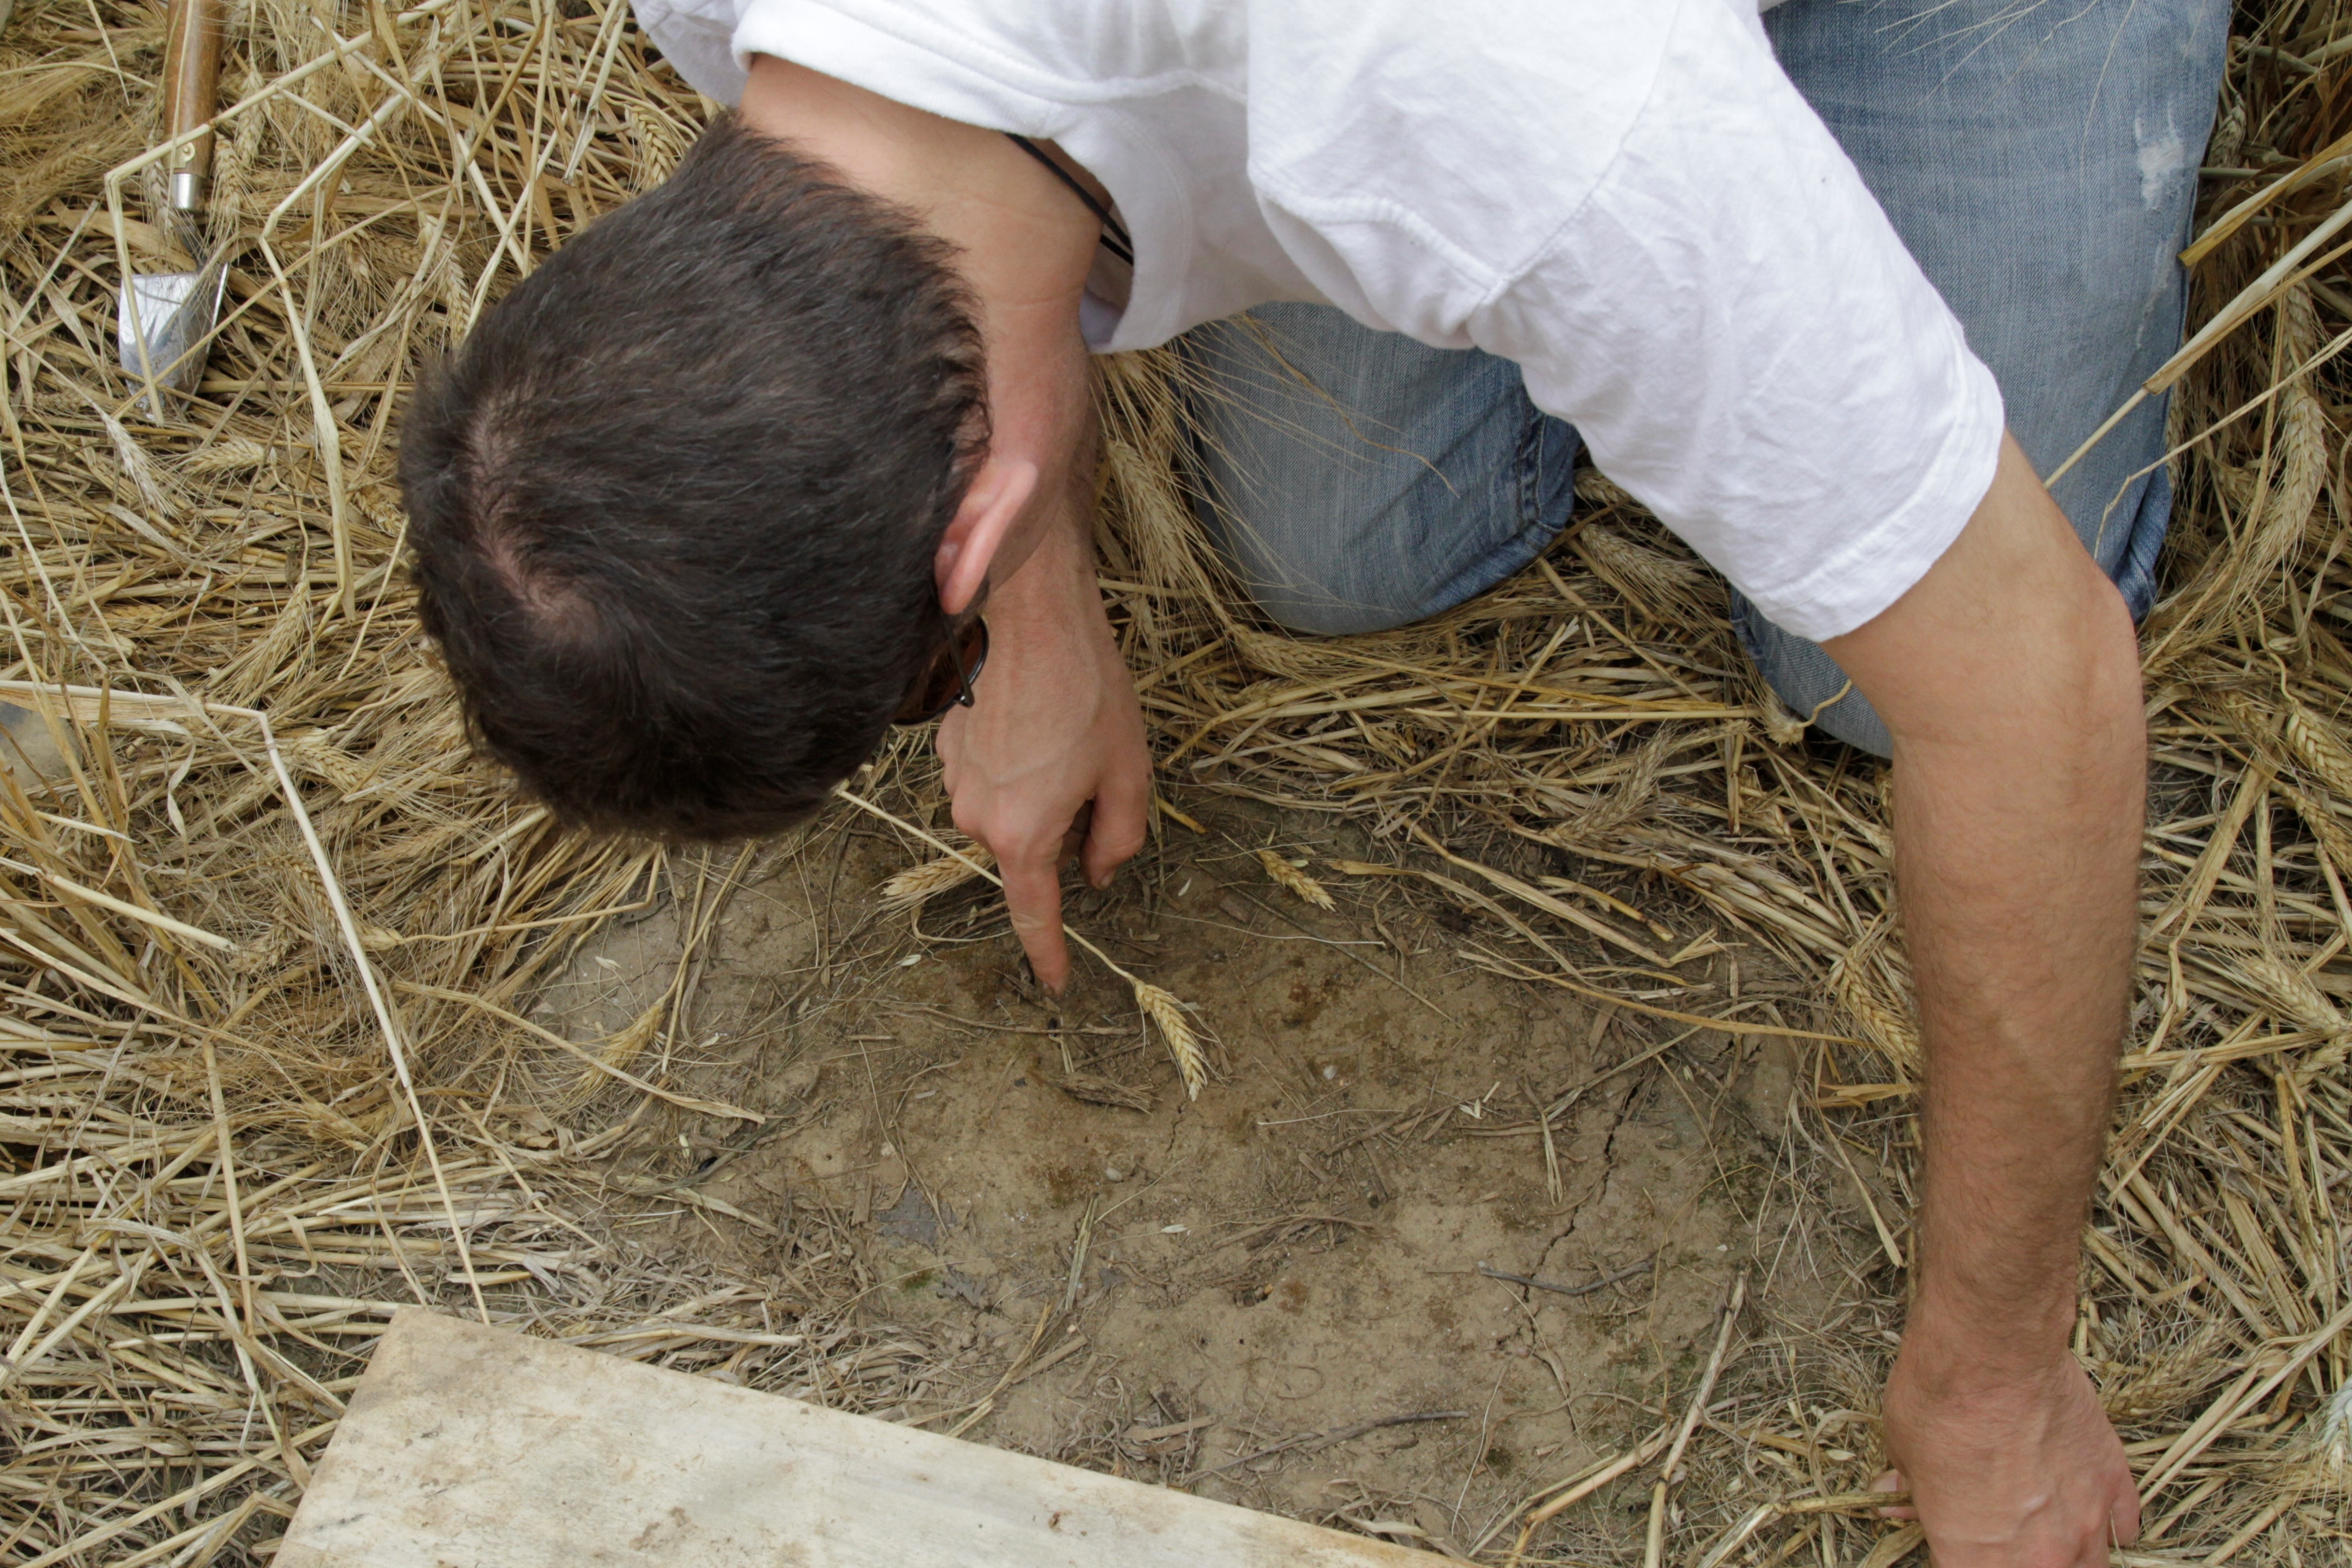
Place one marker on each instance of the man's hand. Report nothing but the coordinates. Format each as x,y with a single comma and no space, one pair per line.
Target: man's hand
1055,725
2008,678
2017,1475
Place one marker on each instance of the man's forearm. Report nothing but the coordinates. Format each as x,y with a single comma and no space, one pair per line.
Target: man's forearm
2010,680
1056,729
2016,875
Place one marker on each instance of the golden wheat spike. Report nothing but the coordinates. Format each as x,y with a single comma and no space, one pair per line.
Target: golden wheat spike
916,883
1289,875
2317,746
2290,993
1594,488
228,455
1162,1009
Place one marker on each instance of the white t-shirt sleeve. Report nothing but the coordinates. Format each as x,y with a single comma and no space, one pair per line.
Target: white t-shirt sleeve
698,36
1725,315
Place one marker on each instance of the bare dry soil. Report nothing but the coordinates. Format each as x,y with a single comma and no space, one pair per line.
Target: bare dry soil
1277,1294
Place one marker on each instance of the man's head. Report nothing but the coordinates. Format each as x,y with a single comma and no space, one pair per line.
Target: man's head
676,504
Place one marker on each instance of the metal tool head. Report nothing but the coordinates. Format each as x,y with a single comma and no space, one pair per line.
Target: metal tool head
164,317
160,326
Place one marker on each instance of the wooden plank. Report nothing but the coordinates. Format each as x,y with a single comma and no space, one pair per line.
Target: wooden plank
467,1446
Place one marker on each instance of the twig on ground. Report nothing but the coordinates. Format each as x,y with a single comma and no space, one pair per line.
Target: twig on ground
1585,1289
1325,1440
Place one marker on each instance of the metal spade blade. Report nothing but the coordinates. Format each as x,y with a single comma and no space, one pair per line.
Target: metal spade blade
160,325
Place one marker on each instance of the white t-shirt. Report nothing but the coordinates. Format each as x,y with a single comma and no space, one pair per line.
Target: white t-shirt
1628,198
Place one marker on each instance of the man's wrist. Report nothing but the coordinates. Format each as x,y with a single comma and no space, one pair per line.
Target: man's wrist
1953,1350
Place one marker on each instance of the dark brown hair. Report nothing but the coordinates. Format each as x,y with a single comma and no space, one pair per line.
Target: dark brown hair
674,501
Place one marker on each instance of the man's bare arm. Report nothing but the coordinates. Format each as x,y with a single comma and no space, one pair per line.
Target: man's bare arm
2008,678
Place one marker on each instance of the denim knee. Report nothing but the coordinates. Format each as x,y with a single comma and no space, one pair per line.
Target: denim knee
2042,166
1360,481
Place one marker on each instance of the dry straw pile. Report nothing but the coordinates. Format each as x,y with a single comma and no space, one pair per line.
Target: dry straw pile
269,940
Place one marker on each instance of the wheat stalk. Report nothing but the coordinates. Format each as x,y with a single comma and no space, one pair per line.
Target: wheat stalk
1161,1006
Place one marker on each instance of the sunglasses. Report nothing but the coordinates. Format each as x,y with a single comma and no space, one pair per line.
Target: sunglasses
946,681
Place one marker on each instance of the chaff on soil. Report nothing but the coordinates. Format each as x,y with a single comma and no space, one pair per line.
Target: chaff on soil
218,955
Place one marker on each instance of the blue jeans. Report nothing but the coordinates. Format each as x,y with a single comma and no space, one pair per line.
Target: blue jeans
2039,159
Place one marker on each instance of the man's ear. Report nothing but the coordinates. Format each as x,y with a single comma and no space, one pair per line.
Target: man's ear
981,527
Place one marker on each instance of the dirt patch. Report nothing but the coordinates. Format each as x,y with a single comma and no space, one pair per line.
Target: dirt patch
1279,1293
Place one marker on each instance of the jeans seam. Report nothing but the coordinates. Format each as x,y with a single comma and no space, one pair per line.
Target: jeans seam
1529,475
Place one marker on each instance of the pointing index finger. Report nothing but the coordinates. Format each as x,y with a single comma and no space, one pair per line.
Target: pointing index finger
1033,895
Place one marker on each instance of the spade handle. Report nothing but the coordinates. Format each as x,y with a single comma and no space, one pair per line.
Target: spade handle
192,58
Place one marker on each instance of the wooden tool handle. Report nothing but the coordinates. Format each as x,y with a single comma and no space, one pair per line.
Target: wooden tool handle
192,58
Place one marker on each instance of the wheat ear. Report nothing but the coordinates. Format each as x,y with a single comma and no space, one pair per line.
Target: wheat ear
917,883
1286,875
1163,1009
1160,1006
